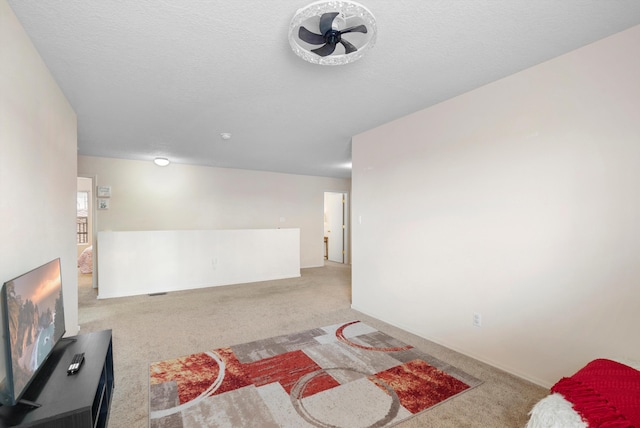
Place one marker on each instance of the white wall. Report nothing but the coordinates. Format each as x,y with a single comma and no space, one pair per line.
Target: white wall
37,167
187,197
518,201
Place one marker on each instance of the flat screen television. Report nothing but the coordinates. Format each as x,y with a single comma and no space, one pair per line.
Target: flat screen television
33,323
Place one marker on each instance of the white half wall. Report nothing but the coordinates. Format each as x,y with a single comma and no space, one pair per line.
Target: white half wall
188,197
518,201
145,262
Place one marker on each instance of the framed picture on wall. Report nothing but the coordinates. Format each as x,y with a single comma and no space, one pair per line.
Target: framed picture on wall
104,191
103,204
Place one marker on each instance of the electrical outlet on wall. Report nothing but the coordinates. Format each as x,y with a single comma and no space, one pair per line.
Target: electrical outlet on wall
477,319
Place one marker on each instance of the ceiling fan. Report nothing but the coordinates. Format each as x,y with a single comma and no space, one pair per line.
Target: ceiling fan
332,32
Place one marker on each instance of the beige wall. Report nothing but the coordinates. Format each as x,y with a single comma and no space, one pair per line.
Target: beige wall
518,201
178,197
37,167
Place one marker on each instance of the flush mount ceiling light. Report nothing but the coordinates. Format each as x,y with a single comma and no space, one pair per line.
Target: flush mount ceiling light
332,32
161,161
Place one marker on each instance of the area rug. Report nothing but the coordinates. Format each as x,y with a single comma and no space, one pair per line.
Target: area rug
344,375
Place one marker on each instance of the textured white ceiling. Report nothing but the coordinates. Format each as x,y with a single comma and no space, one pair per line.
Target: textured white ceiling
165,77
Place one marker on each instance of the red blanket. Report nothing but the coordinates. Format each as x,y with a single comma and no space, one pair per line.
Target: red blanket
605,393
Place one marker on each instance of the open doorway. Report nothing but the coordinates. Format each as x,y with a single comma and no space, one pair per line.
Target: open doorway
336,227
85,232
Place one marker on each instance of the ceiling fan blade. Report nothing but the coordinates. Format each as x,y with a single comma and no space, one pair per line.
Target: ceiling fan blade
357,29
309,37
325,50
326,20
348,47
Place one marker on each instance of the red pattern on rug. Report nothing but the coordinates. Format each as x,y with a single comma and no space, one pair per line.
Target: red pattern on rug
605,393
286,369
196,373
419,385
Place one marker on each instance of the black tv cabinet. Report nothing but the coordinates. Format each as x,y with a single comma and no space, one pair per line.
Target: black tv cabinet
69,401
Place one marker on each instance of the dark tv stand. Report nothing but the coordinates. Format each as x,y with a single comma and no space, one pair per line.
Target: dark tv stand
69,401
24,402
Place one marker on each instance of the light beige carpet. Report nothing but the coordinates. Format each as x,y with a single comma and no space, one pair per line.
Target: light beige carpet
148,329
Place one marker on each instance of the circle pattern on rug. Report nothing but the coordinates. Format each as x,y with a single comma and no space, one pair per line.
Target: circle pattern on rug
298,392
204,392
341,336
